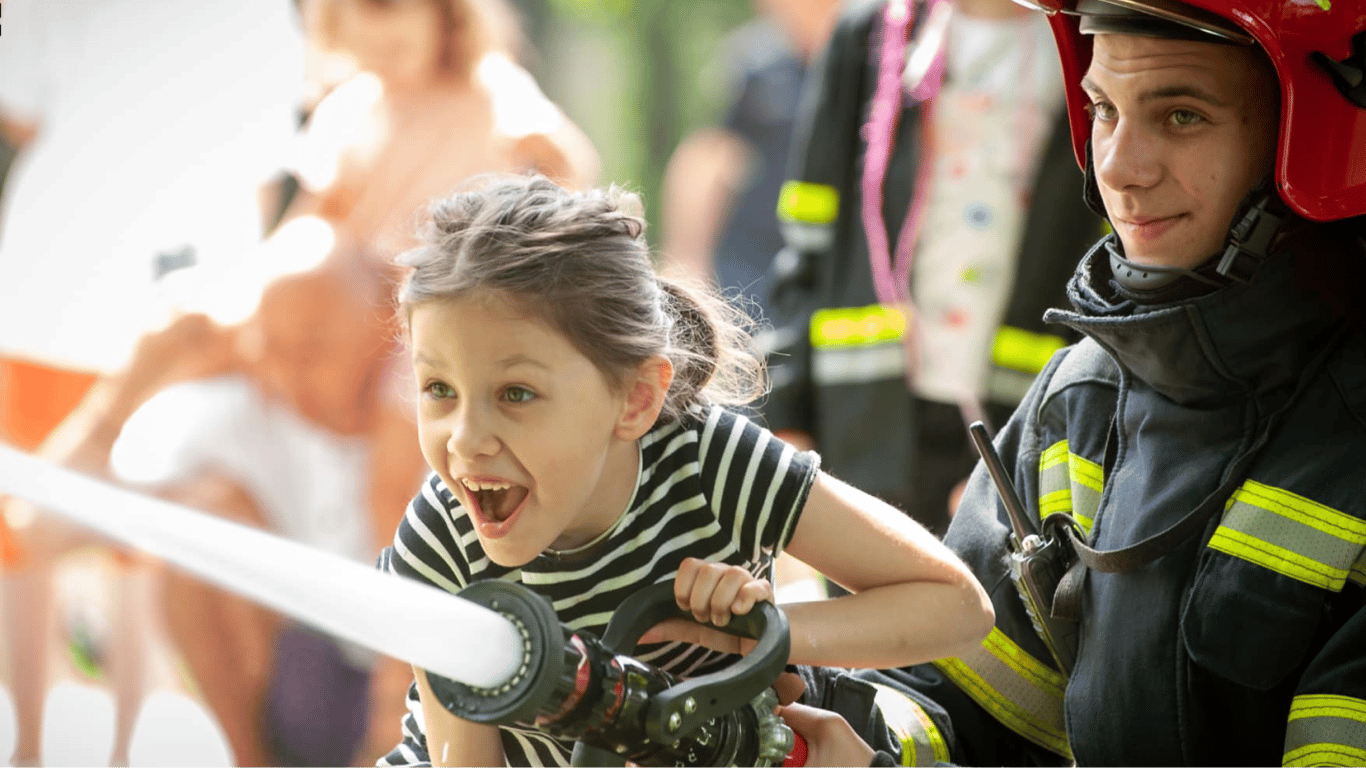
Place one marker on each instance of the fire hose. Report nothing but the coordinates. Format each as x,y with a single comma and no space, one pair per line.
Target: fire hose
496,652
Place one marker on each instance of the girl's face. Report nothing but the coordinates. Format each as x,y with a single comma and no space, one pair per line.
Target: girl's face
523,428
398,40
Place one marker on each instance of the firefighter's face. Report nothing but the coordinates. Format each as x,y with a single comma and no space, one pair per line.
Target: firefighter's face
1181,131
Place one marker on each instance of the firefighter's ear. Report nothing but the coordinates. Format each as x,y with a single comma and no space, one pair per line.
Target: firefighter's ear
646,389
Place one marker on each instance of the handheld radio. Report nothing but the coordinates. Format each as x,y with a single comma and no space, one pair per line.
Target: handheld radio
1038,559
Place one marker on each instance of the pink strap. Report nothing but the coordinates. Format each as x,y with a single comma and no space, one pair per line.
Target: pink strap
882,121
892,276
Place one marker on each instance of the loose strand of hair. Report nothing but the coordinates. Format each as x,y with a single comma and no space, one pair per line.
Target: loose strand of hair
712,348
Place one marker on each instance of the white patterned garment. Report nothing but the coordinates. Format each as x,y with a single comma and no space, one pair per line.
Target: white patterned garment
718,487
1001,87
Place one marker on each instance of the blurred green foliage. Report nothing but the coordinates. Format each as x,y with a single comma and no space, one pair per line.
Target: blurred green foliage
636,75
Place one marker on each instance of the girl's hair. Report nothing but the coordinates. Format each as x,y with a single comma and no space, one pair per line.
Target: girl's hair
577,260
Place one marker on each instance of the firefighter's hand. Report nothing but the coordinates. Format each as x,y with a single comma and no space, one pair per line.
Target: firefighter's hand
713,593
830,740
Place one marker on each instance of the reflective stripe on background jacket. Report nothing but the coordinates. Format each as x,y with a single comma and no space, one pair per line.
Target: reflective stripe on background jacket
1246,644
851,393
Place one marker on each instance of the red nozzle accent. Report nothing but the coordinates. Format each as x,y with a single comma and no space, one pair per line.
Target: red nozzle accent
798,754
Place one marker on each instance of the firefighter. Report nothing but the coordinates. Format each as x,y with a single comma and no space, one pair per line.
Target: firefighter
1198,457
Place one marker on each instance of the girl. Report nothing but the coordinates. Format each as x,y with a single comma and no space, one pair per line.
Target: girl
573,410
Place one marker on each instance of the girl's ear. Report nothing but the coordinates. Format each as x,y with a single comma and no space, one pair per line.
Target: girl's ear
645,393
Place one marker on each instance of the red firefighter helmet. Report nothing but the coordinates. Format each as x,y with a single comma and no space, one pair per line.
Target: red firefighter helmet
1318,48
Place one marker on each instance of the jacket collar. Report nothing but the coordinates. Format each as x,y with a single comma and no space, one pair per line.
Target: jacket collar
1236,341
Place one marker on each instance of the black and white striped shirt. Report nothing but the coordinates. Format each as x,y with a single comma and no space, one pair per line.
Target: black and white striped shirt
714,486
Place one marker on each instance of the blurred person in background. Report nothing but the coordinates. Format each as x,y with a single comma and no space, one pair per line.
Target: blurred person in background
286,436
721,183
931,216
436,99
144,130
151,124
270,422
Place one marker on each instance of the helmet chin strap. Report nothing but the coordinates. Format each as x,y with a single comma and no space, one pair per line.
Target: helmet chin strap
1146,278
1255,224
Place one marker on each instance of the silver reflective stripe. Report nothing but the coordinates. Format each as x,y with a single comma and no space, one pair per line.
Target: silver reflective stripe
1291,535
921,741
1020,691
857,365
1326,730
804,236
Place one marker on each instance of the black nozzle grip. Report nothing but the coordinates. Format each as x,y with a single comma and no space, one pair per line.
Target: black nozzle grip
681,708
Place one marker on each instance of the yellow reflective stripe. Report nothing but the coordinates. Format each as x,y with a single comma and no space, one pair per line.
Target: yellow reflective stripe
1023,693
1358,574
1085,521
1085,472
921,741
809,203
1057,501
1055,454
1325,755
1069,483
1291,535
856,326
1325,729
1024,350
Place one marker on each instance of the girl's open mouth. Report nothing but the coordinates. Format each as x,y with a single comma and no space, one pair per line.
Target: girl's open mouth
495,503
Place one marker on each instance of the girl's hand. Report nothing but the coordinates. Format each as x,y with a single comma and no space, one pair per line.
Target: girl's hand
713,593
716,591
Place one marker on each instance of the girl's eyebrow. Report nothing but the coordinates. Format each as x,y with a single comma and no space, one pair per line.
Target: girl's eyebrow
1165,92
522,359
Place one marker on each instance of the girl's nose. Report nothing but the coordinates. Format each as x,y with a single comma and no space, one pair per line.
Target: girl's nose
471,435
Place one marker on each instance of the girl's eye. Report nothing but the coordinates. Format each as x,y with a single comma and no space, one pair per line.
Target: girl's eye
518,395
439,390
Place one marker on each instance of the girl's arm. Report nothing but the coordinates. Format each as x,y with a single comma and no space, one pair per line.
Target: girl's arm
913,600
451,740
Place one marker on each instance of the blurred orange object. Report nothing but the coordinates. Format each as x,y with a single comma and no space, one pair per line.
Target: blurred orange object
34,399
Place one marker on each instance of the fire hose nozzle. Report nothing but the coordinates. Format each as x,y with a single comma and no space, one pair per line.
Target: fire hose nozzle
576,686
